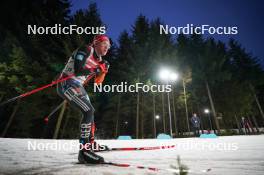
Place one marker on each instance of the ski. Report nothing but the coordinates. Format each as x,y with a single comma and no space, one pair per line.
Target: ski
172,170
137,148
142,148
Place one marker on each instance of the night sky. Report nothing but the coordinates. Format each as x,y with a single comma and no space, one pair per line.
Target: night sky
247,15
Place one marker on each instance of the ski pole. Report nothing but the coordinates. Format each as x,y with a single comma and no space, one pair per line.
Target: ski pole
52,112
35,90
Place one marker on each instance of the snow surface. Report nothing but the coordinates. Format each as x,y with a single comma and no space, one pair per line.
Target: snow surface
224,155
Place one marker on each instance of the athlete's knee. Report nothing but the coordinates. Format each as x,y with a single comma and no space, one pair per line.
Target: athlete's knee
88,115
91,110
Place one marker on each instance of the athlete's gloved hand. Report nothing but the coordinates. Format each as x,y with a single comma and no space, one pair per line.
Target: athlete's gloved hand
99,78
107,65
104,65
98,71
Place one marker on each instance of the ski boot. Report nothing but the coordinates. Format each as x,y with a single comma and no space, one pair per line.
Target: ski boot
89,157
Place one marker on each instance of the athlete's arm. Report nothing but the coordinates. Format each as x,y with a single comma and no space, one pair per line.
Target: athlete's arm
80,56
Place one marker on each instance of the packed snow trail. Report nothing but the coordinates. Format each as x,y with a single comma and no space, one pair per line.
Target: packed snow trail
224,155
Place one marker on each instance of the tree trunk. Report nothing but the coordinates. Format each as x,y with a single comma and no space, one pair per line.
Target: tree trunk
212,107
255,123
142,117
11,118
137,119
186,107
238,125
154,117
169,110
55,136
259,106
257,101
174,114
117,115
163,113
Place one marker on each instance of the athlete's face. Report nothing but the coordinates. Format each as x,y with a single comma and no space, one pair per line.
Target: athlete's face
102,48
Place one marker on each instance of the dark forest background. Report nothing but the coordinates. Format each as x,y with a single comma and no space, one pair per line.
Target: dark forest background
222,77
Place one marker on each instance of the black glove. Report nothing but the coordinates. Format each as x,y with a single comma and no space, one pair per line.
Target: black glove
97,71
104,65
107,65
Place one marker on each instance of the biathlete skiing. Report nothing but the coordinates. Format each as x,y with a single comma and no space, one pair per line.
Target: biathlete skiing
84,64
